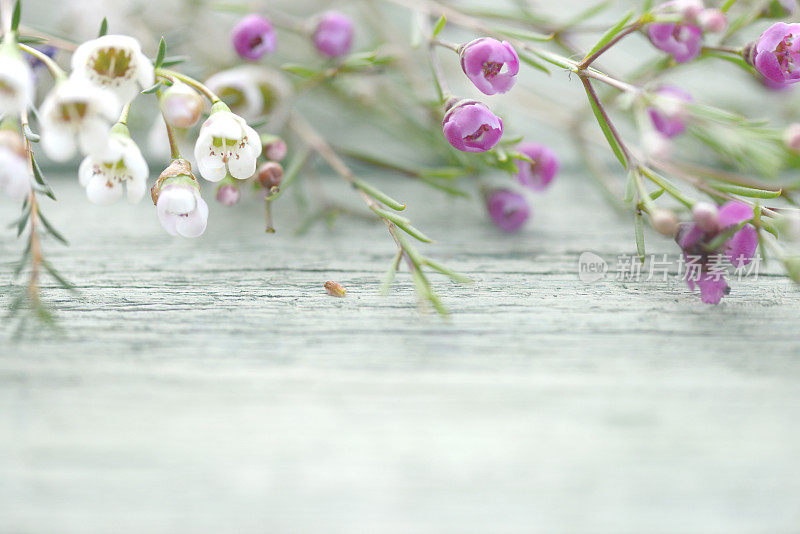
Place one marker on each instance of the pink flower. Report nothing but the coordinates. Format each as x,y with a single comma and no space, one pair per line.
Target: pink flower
228,194
333,35
669,120
490,64
508,210
253,37
540,173
683,41
775,53
740,248
471,127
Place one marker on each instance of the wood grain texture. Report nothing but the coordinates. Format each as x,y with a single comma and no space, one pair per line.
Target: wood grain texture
213,386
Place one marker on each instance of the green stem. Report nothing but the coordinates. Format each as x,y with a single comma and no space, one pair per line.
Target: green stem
56,71
170,74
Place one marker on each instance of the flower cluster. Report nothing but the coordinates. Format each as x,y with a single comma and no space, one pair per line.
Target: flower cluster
683,40
716,231
228,126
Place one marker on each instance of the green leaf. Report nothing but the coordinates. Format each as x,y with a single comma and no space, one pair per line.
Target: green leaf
55,233
103,28
30,40
534,62
15,18
743,191
378,195
22,261
639,229
22,222
39,177
414,232
390,273
612,140
172,61
162,52
439,26
63,282
153,89
611,33
301,70
447,272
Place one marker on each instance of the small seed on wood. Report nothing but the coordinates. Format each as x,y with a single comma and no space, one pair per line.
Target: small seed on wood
335,289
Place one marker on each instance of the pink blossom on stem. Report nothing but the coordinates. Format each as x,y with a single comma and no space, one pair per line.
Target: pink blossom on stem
682,40
508,210
333,35
471,127
669,117
538,174
253,37
490,64
228,194
775,53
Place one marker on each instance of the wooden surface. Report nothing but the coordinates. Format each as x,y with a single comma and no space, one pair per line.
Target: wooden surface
212,386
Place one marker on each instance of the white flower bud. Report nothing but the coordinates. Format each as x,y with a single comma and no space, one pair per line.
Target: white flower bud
181,105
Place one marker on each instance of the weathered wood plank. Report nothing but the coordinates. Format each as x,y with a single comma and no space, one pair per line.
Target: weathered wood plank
212,385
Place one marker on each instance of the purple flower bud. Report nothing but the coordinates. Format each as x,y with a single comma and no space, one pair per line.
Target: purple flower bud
683,41
540,173
333,35
253,37
775,52
274,148
228,194
508,210
669,117
490,64
471,127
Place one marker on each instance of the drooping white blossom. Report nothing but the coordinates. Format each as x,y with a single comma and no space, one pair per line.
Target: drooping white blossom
114,62
77,115
181,209
103,177
15,175
16,84
226,144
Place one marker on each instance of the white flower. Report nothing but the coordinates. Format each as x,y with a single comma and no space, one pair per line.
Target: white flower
15,175
103,176
76,114
181,105
114,62
226,144
250,90
16,84
181,209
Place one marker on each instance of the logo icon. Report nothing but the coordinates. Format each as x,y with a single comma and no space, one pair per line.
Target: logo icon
591,267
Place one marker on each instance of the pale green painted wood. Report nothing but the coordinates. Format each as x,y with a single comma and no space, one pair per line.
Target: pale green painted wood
213,386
